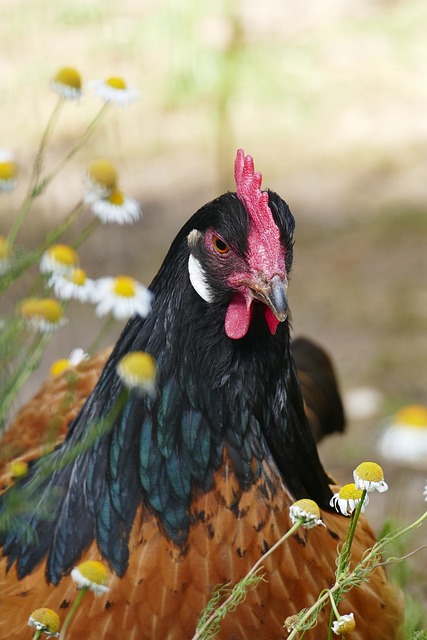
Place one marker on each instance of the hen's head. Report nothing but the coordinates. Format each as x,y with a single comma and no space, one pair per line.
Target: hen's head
241,248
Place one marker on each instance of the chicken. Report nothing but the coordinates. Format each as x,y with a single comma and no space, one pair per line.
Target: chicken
319,386
185,489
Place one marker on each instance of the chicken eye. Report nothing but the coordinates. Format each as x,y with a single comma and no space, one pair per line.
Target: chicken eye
219,245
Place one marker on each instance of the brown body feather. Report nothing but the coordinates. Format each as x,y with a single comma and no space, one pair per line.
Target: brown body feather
165,589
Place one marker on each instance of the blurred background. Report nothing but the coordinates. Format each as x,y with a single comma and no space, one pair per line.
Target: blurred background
329,97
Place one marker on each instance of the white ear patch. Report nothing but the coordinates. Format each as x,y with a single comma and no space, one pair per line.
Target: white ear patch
198,279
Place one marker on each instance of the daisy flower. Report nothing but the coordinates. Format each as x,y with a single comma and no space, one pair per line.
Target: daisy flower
137,370
369,476
18,468
405,439
123,297
8,171
101,179
115,90
67,83
73,284
347,499
344,624
116,208
306,509
45,620
59,258
92,575
63,364
5,255
42,314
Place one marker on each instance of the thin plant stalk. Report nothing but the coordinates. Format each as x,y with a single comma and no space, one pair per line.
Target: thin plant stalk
33,191
31,360
223,607
102,333
344,559
80,143
360,572
81,594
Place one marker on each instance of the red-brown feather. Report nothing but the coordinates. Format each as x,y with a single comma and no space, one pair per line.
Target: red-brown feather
165,589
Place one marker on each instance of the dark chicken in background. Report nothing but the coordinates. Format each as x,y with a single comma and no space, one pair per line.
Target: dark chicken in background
187,489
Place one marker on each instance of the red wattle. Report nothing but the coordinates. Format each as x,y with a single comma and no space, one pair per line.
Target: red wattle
272,321
238,316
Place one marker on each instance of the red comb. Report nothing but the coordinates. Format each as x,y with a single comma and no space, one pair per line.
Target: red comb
265,249
248,183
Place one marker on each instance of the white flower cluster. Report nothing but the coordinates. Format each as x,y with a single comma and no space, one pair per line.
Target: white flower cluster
122,296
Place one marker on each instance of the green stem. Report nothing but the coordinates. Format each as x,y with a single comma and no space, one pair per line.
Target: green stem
79,144
37,634
54,235
38,162
334,614
344,559
218,613
81,594
32,358
320,601
37,186
353,524
93,224
33,186
19,220
103,332
354,575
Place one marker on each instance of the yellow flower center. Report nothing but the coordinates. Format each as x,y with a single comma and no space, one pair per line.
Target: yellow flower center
116,83
18,468
64,254
370,471
414,415
59,366
4,248
78,277
349,492
69,77
124,286
345,626
95,572
8,170
47,618
117,198
138,366
309,506
47,309
103,172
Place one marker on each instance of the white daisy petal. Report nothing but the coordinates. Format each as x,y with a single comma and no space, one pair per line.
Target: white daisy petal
123,297
347,500
73,285
115,208
115,90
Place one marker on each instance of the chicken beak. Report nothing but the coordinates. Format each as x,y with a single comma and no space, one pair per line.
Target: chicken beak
274,295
